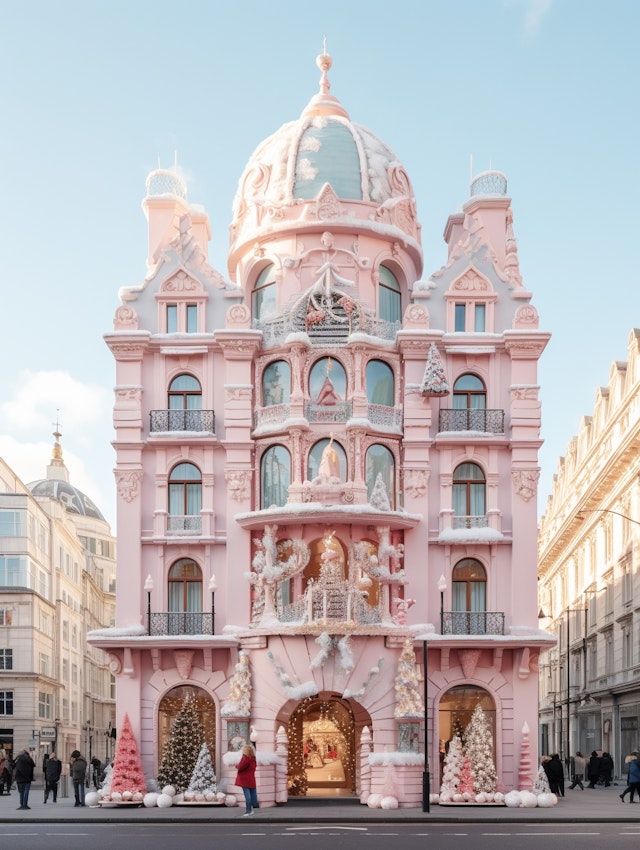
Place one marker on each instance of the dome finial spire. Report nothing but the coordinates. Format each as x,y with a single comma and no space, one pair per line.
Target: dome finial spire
324,62
57,448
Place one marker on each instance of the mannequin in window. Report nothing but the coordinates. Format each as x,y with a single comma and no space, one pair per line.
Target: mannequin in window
329,469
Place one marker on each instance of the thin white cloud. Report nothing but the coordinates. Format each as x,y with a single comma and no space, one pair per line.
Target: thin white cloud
534,13
39,395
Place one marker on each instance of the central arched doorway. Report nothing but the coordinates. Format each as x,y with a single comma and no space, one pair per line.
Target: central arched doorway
171,704
455,713
322,748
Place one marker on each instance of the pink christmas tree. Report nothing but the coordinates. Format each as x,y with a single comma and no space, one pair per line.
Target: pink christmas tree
127,774
465,784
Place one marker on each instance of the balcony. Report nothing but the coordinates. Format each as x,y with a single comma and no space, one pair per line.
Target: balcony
340,412
482,420
472,623
181,623
163,421
322,605
273,415
386,417
469,522
187,525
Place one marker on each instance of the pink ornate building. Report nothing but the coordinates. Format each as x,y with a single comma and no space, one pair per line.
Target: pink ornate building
321,465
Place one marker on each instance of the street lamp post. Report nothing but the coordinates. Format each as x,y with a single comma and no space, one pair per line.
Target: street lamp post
212,588
426,776
148,586
442,586
604,511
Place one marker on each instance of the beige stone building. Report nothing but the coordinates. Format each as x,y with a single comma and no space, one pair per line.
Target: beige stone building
57,581
589,588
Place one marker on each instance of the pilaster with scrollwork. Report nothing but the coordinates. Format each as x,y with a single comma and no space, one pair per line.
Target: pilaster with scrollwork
128,483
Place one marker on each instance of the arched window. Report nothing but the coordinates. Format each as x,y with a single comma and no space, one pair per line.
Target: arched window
185,490
185,393
185,586
389,302
327,381
469,586
276,383
380,389
275,477
380,462
469,393
263,297
469,496
456,709
335,461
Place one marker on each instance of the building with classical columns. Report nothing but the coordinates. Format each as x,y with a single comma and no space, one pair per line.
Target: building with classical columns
589,556
326,467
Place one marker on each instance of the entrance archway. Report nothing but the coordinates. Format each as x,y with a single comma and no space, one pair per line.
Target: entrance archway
322,748
454,715
170,705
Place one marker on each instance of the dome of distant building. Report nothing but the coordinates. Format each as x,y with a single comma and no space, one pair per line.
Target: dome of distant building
57,486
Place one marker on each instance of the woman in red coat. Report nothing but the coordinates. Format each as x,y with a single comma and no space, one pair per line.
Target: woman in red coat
246,778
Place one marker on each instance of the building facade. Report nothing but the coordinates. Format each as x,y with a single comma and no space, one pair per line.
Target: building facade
326,472
56,691
589,551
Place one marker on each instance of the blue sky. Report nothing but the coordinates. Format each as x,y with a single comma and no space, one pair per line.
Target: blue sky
96,92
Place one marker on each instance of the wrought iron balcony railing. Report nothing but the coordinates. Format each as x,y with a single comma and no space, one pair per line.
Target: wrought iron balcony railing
275,414
472,623
380,414
470,522
339,412
471,419
182,420
181,623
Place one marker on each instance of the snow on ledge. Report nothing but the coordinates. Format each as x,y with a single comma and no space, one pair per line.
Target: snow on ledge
396,758
470,535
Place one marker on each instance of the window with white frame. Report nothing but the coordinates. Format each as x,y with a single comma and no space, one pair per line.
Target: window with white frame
45,664
6,659
44,705
6,702
6,616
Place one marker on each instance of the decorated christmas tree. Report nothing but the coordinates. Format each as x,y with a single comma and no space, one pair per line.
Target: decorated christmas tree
479,749
452,767
379,496
181,751
202,785
466,784
127,778
434,382
239,703
407,684
541,784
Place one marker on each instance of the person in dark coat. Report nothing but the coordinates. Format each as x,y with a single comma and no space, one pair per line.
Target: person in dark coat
593,769
78,776
633,777
555,775
5,772
23,775
246,778
52,771
606,769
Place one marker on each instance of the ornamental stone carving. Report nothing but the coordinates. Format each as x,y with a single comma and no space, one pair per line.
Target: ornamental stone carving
525,482
415,315
125,317
469,661
526,317
238,484
328,205
416,482
114,663
238,316
184,662
128,483
471,281
181,282
522,393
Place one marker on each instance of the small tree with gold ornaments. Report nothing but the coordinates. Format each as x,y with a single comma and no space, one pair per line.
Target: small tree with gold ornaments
479,749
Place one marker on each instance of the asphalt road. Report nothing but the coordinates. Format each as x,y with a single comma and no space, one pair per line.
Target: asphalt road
250,833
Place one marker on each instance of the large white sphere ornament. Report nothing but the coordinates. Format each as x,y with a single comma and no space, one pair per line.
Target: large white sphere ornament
528,800
165,801
92,798
546,801
230,800
374,801
389,803
169,790
512,799
151,799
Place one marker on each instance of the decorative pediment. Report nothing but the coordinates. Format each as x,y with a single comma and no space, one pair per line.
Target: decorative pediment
181,282
471,282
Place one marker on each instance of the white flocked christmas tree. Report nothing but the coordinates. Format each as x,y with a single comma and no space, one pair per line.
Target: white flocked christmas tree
452,767
202,785
479,749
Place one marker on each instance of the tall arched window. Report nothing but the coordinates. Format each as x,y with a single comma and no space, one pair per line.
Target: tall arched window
185,393
327,381
469,586
380,383
275,477
380,462
335,461
389,302
469,496
276,383
263,297
185,491
456,709
185,586
469,393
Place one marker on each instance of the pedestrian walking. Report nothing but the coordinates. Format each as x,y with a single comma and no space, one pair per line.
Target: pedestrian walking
52,772
593,769
78,776
246,779
23,775
606,769
5,772
633,777
555,774
579,765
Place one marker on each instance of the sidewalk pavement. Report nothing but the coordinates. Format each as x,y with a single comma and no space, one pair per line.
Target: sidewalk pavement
588,806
